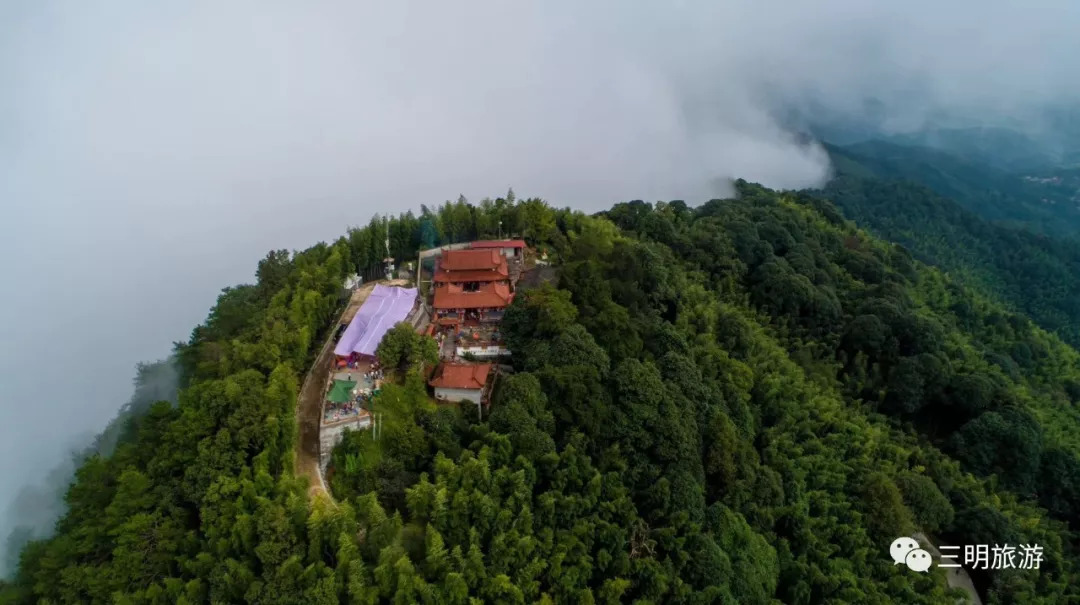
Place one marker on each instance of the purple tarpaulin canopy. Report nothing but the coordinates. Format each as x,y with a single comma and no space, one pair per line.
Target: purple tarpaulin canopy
384,307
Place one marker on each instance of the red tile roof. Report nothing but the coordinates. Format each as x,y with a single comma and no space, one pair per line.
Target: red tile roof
471,260
501,243
461,376
500,274
490,296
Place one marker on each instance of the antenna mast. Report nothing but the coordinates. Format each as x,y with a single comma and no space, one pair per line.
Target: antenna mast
389,260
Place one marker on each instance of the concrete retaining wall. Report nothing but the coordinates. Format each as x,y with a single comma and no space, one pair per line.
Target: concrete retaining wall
330,436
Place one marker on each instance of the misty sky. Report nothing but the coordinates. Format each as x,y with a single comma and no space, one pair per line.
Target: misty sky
152,152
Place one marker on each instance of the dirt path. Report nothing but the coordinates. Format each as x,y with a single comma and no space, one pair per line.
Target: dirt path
309,405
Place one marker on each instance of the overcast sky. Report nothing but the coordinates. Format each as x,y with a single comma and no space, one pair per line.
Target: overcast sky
152,152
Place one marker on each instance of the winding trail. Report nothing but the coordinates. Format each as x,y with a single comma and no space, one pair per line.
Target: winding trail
309,404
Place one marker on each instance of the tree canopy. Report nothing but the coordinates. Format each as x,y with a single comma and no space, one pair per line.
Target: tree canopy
402,348
743,402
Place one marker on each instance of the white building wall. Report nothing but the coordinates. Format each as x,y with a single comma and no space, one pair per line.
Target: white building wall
472,395
482,352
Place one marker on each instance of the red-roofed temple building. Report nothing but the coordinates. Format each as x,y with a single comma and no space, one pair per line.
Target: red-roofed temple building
472,284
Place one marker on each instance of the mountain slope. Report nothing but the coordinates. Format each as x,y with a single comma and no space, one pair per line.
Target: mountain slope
1001,148
1045,200
1035,274
744,402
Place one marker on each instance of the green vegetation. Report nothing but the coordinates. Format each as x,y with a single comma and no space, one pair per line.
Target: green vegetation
1043,200
402,348
739,403
39,506
451,222
1001,148
198,502
1034,274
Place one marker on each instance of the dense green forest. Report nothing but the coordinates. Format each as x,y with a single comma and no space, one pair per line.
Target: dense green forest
39,505
1042,199
743,402
1035,274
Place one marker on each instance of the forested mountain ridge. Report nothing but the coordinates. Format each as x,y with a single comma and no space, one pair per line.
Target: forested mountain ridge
741,402
1044,200
1005,149
1035,274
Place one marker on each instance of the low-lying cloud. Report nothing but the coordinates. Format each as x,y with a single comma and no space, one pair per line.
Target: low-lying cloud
151,152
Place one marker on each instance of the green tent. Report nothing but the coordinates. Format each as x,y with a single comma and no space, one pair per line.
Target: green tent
341,392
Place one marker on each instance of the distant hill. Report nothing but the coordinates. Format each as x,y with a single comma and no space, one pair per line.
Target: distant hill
1034,273
1045,201
1000,148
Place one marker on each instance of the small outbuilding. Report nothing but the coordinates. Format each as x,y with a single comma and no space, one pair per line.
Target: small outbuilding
455,382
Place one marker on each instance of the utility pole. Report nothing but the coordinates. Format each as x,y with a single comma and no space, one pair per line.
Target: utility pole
389,259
